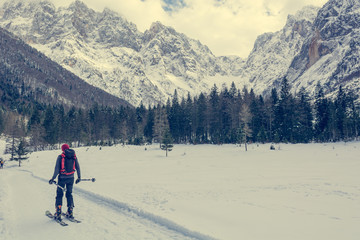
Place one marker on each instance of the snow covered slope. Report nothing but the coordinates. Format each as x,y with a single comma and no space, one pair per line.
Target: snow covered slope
107,51
273,53
330,56
303,191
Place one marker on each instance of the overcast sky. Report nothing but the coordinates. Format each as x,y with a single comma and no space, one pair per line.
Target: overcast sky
227,27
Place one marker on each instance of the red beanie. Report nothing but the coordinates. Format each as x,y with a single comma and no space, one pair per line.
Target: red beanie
64,147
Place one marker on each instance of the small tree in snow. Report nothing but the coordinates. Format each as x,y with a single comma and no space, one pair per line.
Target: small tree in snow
245,117
21,151
167,142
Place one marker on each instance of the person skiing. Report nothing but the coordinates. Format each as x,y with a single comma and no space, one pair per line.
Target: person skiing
1,163
65,167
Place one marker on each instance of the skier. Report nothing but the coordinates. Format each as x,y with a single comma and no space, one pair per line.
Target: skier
65,167
1,163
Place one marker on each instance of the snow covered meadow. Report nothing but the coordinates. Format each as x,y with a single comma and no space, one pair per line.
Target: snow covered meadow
302,191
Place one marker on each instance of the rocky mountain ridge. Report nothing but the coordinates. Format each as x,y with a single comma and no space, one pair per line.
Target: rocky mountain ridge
28,76
273,53
108,52
103,48
330,55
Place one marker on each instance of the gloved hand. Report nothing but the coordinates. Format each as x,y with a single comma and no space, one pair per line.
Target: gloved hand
51,181
77,181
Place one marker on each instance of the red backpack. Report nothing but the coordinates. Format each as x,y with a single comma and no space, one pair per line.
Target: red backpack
68,162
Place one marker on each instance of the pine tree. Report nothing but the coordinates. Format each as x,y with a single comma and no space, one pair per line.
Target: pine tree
322,115
234,108
245,117
214,116
201,120
49,126
167,142
258,122
272,106
186,111
189,112
141,116
175,118
353,114
2,121
226,117
341,118
21,151
149,127
285,113
160,123
303,118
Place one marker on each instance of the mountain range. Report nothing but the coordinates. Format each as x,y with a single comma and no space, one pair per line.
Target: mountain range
316,45
26,75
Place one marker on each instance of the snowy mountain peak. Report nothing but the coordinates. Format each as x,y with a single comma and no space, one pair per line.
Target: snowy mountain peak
109,52
272,54
307,13
330,55
22,9
156,27
79,6
334,14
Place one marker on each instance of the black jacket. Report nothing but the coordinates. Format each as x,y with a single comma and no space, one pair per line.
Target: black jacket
58,167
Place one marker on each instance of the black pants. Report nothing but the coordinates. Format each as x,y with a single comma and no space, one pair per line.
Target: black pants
69,183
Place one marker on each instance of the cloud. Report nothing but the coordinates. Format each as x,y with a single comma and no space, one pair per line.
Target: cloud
227,27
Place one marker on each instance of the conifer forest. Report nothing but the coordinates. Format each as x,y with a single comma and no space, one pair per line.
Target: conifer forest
223,116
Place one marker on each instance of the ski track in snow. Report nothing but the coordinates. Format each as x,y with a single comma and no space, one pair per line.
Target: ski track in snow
132,212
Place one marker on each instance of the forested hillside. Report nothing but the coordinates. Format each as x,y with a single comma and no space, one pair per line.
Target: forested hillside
27,75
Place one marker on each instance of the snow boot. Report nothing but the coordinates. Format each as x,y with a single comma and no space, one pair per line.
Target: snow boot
69,213
57,215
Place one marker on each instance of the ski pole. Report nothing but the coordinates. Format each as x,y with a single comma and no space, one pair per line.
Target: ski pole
59,186
88,179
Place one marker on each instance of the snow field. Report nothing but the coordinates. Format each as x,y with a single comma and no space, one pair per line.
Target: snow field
303,191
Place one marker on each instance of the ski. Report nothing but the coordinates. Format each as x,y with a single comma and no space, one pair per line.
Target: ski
70,219
50,215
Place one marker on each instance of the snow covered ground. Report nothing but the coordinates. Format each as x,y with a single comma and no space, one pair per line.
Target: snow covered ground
303,191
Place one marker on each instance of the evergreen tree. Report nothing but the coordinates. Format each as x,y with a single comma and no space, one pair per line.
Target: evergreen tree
303,131
187,109
226,117
272,106
245,117
175,118
322,115
160,123
35,118
341,118
21,151
285,114
214,116
234,109
353,114
141,115
71,128
50,126
149,127
59,123
201,118
2,121
122,119
258,122
167,142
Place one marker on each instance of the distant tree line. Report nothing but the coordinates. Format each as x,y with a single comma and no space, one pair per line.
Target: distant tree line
229,115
